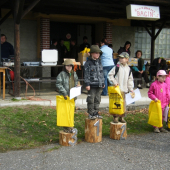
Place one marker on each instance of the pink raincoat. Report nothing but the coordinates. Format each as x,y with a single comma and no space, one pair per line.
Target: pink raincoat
167,81
155,92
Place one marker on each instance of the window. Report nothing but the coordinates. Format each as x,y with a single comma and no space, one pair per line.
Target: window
143,43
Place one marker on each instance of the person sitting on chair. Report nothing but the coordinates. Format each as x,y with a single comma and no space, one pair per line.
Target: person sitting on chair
6,48
139,71
157,64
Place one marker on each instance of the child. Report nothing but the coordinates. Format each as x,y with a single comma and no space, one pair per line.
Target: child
94,81
159,91
65,81
121,75
167,81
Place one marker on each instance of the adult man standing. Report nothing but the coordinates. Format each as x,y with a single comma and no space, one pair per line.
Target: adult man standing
74,50
107,62
85,44
62,51
6,48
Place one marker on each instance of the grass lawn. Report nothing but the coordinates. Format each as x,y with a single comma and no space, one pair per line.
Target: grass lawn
32,126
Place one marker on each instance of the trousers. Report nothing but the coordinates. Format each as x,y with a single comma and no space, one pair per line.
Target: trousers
93,100
139,75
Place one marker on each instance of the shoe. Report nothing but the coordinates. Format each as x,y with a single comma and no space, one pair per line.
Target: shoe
115,120
147,85
68,129
121,119
99,117
139,86
156,130
92,117
163,130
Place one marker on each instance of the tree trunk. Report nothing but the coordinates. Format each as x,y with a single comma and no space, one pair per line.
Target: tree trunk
93,130
67,139
118,131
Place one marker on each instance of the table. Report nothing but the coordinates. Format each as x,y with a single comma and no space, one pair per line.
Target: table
2,70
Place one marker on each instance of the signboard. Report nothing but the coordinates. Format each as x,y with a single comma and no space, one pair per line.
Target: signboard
142,12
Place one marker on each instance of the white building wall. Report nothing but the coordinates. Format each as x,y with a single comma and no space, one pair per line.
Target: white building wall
28,38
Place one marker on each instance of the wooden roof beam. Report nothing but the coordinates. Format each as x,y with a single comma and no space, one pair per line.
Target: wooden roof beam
32,5
20,11
87,3
154,1
2,2
82,7
5,17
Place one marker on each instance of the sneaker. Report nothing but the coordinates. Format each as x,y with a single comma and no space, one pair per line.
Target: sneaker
147,85
121,119
68,130
139,86
99,117
156,130
163,130
91,117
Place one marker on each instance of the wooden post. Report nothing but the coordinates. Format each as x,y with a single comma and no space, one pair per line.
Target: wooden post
93,130
118,131
18,14
67,139
152,42
153,36
17,61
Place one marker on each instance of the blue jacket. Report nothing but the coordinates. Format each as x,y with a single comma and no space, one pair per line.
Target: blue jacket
107,56
6,50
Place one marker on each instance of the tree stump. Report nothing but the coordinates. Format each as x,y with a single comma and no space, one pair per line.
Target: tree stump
118,131
93,130
67,139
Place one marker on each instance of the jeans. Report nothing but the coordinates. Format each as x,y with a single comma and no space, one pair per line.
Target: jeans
106,71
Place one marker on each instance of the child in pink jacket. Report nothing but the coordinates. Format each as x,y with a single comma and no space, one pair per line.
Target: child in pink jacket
167,81
159,91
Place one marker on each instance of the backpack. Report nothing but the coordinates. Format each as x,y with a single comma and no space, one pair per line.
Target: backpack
117,69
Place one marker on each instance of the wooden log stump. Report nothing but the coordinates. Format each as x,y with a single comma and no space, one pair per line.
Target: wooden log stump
118,131
67,139
93,130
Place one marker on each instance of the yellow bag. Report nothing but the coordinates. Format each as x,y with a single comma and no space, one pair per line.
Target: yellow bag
116,102
155,114
86,50
65,111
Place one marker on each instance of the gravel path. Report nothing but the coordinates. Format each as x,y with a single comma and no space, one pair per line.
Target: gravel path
150,151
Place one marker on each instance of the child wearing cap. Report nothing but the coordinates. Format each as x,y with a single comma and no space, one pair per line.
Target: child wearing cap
121,75
65,81
159,91
94,81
